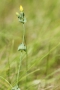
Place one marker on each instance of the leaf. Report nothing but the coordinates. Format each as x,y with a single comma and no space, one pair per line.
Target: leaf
22,47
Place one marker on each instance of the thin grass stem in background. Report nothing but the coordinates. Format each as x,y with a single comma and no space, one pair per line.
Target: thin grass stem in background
6,81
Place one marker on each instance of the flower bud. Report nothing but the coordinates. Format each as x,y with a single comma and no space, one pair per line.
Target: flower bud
21,8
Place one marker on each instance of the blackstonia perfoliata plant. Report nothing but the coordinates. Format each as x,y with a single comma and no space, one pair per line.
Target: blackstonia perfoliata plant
22,47
22,19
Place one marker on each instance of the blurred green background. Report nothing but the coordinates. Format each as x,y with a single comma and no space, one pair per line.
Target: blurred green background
43,41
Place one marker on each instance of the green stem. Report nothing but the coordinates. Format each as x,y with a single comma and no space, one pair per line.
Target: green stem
24,41
23,33
19,68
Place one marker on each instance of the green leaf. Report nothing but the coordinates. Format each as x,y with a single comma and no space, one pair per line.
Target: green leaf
22,47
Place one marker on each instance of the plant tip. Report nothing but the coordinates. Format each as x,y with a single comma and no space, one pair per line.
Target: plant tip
21,8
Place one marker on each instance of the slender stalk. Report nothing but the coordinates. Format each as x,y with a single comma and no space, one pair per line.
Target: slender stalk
24,41
19,68
23,33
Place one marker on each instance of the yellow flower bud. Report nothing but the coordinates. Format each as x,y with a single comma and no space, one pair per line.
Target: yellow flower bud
17,13
21,8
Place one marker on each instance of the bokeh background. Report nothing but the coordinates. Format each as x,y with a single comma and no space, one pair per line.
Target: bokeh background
43,42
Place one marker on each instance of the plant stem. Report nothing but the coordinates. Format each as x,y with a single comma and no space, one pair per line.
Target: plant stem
23,33
19,68
24,41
